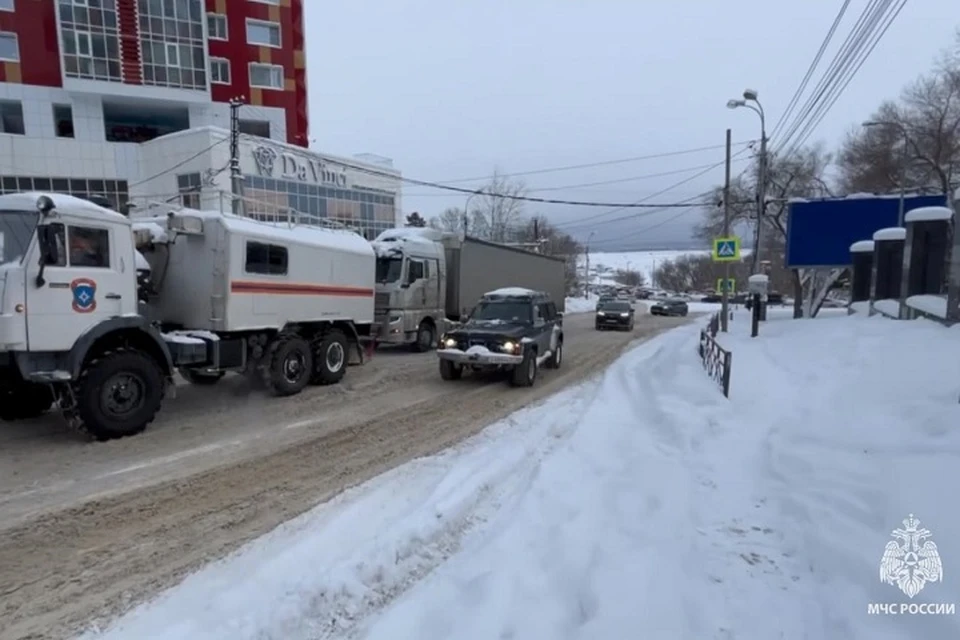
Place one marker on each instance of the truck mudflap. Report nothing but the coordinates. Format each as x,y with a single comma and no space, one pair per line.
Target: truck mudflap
478,355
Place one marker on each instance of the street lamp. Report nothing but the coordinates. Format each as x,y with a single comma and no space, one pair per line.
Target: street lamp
750,101
904,160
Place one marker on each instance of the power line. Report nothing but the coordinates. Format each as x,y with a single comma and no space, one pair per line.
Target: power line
580,223
178,165
813,66
835,96
846,58
604,163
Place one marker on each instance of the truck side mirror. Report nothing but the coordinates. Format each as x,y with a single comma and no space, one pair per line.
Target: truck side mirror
49,251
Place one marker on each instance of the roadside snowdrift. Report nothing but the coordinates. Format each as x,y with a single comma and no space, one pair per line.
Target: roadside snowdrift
641,503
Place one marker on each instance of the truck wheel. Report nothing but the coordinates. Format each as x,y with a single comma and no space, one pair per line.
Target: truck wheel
426,338
25,401
525,373
290,367
118,394
556,358
450,370
202,378
329,359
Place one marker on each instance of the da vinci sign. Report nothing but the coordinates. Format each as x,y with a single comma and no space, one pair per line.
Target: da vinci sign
284,165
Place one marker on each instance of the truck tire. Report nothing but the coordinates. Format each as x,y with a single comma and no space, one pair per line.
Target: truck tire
556,358
290,365
202,378
329,358
450,370
426,338
25,401
525,373
118,394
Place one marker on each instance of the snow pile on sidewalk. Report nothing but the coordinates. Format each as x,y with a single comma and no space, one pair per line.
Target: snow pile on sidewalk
642,504
581,304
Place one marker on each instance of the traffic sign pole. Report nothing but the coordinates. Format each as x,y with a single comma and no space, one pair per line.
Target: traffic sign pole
725,296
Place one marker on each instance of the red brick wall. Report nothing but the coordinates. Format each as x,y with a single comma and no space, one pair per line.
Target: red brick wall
293,98
35,23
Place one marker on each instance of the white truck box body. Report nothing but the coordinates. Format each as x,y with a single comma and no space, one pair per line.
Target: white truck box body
329,276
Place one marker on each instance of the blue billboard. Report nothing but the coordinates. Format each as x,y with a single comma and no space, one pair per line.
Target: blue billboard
820,232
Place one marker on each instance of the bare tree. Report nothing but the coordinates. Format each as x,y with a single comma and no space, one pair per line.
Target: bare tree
498,211
923,130
450,220
549,240
801,174
630,278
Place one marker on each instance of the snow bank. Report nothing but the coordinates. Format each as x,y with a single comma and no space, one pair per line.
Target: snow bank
581,305
926,214
889,307
642,500
890,233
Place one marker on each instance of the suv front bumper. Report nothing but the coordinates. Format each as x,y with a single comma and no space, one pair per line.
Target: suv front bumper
478,356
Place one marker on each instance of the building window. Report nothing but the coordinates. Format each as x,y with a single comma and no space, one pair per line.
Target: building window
217,26
219,71
6,5
89,247
91,40
63,120
255,128
266,76
171,40
9,46
263,33
267,259
11,117
189,184
116,191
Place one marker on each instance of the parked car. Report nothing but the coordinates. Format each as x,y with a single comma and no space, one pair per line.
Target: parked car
615,315
512,330
670,307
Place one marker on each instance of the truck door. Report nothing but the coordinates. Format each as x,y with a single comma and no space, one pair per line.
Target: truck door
432,301
416,292
84,286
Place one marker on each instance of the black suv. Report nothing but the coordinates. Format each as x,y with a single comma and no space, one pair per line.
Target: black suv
513,330
615,314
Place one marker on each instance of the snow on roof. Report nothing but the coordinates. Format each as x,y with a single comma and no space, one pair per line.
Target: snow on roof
860,195
158,234
511,291
300,234
862,246
27,201
926,214
890,233
933,305
412,233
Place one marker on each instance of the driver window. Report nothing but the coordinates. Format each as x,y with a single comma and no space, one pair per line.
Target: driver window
414,271
538,318
89,247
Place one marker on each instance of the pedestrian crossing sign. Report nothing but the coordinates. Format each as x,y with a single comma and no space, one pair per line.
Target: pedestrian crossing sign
726,284
726,249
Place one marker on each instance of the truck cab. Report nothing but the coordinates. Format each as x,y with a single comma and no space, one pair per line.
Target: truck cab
410,287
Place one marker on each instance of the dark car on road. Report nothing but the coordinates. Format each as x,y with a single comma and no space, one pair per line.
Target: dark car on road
512,330
672,307
615,314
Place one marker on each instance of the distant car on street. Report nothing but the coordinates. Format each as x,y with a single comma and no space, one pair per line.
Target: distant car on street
670,307
604,299
617,314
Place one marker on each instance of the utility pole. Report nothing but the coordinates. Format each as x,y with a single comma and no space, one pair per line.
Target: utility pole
536,235
236,176
761,201
725,294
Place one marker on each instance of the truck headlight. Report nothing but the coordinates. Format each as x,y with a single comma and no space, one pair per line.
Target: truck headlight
449,343
509,346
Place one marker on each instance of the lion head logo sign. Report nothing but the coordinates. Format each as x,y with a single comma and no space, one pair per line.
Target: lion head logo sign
84,292
265,157
910,561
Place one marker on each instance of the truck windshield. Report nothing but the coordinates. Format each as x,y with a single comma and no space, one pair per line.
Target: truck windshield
504,311
389,270
16,229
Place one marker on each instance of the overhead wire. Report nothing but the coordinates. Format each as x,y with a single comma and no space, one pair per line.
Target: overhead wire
811,69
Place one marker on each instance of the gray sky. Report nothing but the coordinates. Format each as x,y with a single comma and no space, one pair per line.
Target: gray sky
450,90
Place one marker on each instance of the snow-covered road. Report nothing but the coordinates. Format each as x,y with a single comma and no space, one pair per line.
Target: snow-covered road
638,504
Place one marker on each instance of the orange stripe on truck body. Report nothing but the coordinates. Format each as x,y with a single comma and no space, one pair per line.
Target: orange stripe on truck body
294,289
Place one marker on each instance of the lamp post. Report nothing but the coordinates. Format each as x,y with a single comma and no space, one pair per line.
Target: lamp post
466,212
904,159
750,101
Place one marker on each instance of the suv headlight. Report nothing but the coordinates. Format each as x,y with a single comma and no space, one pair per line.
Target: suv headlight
509,346
449,343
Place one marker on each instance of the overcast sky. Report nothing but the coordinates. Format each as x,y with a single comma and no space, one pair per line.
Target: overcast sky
452,90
